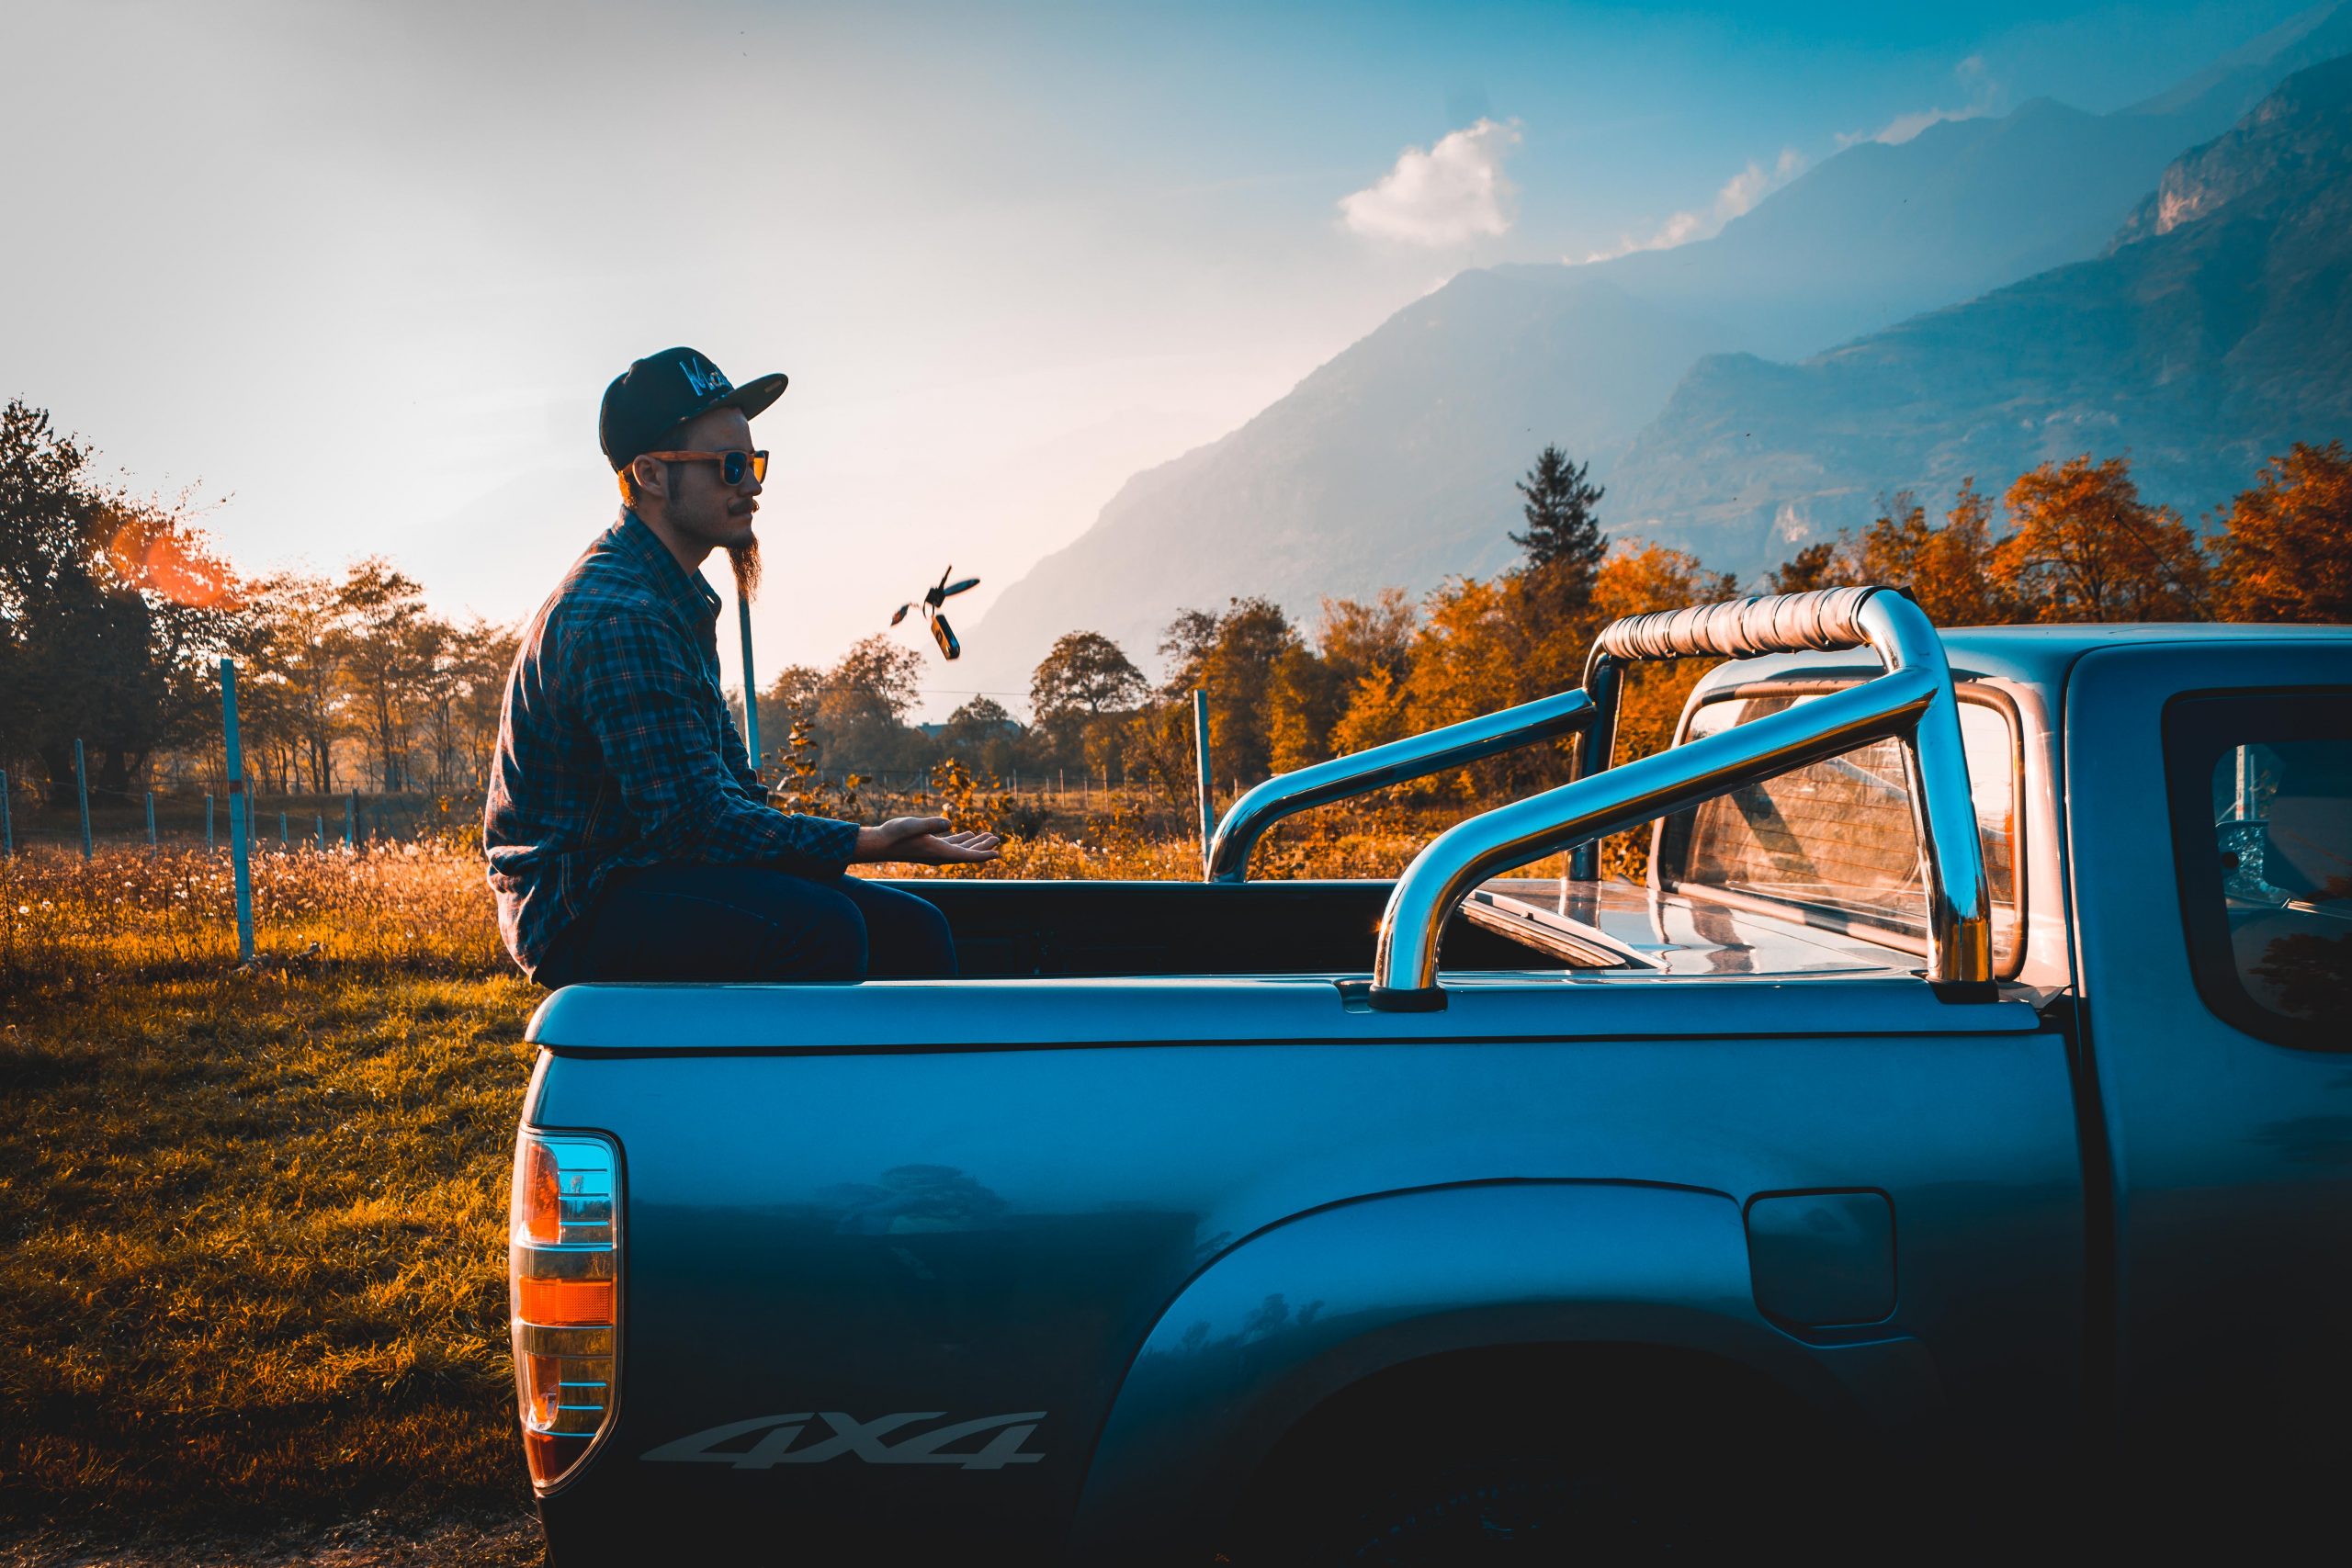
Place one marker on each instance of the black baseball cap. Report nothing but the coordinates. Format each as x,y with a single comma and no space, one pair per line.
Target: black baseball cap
663,390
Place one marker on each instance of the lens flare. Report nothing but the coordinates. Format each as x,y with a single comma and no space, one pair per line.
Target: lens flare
159,556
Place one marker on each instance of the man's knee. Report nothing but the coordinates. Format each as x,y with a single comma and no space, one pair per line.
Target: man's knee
909,936
822,938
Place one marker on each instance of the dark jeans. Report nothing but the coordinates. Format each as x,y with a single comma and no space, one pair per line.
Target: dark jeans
748,922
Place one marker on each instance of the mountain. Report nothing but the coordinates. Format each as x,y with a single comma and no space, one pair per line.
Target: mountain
1393,462
1378,468
2215,330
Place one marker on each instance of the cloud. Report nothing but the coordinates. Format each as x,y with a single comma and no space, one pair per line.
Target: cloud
1449,194
1739,194
1970,73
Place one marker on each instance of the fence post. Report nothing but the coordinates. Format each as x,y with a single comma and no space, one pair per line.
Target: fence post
750,687
240,808
1201,755
351,821
151,818
208,826
81,788
281,830
7,828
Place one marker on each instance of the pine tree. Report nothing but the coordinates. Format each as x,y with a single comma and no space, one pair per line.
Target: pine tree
1563,541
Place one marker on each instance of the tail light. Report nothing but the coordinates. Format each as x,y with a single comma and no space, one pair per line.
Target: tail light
563,1282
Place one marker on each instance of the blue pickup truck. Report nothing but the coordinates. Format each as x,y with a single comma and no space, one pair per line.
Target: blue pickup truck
1962,1106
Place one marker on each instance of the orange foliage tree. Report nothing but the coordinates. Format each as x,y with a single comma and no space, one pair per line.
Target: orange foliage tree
1313,687
2086,548
2285,547
1949,570
1634,581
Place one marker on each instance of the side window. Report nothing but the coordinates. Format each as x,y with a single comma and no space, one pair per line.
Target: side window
2260,787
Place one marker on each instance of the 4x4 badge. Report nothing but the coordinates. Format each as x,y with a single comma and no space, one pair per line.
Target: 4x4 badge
863,1439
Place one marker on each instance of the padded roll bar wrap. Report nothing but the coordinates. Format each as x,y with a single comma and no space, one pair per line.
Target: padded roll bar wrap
1819,621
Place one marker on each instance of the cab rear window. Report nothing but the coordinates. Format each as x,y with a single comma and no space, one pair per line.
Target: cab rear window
1833,842
2260,787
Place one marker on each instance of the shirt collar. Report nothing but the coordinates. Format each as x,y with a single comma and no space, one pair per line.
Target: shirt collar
688,592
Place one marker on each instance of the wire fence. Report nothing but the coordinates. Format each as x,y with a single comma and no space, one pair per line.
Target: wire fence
282,823
239,823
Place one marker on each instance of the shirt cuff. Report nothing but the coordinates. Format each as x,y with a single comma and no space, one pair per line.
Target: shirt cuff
826,842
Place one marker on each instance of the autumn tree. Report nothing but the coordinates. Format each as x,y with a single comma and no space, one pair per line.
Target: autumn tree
1233,659
1825,563
387,642
1312,688
862,704
490,648
1083,678
269,728
983,736
1232,656
463,691
1236,667
1483,644
1303,702
792,694
1085,673
1472,653
2285,547
1948,567
108,605
1186,643
1564,544
294,649
1636,582
190,597
2086,548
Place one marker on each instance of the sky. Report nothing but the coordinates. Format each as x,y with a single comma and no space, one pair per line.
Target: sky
354,277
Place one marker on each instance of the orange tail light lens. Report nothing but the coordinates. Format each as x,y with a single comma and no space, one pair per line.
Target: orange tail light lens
563,1279
564,1302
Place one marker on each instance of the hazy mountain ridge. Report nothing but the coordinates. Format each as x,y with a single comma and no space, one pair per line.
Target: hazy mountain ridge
2217,330
1391,430
1392,462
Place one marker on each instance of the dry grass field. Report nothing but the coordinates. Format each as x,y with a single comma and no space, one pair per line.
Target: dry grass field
252,1221
253,1218
252,1250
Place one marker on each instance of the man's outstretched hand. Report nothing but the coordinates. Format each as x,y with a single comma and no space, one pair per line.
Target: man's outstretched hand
922,841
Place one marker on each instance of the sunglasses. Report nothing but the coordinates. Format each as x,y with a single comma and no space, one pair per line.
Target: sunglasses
732,465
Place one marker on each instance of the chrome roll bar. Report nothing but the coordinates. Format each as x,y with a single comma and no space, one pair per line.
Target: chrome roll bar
1912,700
1738,628
1416,756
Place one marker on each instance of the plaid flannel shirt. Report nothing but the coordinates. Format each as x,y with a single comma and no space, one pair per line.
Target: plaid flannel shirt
615,747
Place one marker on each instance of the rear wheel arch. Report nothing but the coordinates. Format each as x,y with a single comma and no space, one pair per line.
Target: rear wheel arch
1334,1311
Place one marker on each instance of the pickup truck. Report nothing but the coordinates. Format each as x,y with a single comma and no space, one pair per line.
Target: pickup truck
1960,1112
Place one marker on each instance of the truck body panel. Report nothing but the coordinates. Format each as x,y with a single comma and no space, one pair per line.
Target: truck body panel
1057,1257
976,1232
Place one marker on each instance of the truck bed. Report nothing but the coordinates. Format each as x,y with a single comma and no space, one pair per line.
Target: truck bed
1074,929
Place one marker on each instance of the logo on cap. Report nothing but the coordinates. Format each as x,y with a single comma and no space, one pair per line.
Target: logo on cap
704,376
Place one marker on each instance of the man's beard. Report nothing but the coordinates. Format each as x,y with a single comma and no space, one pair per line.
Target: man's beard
745,558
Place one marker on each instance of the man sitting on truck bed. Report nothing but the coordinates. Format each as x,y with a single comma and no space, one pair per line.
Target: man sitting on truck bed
629,838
